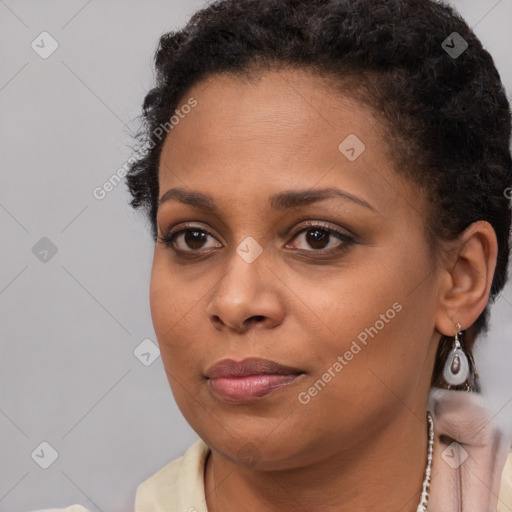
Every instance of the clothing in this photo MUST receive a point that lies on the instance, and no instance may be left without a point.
(482, 483)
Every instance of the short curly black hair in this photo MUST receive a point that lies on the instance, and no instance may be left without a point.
(447, 115)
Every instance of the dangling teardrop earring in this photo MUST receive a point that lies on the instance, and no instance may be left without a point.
(456, 369)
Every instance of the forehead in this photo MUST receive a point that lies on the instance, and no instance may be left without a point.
(278, 128)
(293, 105)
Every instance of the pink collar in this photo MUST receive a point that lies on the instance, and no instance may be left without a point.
(470, 451)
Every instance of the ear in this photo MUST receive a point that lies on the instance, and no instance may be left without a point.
(466, 277)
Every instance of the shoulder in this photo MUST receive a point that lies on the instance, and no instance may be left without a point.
(505, 498)
(71, 508)
(178, 485)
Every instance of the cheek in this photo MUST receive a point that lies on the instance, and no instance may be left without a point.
(169, 303)
(171, 297)
(161, 299)
(171, 306)
(359, 331)
(163, 305)
(350, 302)
(176, 305)
(378, 318)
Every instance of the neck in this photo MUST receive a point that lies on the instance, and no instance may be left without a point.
(385, 473)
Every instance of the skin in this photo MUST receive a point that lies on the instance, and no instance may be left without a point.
(367, 428)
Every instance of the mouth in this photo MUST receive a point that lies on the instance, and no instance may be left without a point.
(250, 379)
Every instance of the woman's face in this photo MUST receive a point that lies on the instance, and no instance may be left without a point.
(310, 252)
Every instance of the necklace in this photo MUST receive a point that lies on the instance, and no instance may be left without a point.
(422, 507)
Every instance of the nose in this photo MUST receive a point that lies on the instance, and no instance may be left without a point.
(247, 296)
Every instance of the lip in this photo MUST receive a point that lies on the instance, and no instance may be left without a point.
(250, 379)
(249, 366)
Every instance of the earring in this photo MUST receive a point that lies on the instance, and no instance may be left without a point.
(457, 368)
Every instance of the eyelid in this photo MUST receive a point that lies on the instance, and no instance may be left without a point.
(346, 240)
(183, 228)
(310, 223)
(344, 235)
(186, 225)
(327, 226)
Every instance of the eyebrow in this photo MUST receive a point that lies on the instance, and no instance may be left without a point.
(283, 201)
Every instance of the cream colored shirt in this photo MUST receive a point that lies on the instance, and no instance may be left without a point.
(179, 486)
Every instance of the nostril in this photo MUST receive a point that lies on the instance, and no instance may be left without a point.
(256, 319)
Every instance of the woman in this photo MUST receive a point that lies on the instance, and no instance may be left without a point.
(326, 183)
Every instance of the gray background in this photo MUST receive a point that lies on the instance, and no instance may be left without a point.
(69, 326)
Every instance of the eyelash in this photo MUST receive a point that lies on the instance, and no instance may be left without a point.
(169, 238)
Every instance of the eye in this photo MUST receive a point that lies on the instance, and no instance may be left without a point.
(192, 238)
(321, 237)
